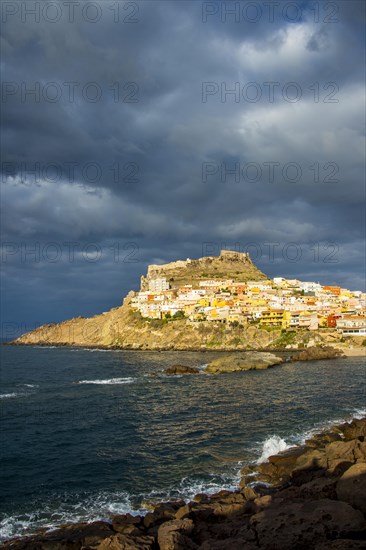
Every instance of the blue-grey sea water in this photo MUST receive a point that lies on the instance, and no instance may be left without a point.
(88, 433)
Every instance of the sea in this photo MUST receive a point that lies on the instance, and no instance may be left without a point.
(89, 433)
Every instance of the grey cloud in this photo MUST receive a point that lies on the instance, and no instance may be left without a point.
(169, 211)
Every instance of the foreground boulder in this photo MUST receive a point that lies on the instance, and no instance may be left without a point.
(172, 535)
(249, 360)
(352, 486)
(299, 524)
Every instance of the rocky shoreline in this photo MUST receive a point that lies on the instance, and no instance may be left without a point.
(311, 496)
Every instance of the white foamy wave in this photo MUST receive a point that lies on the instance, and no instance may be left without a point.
(325, 425)
(359, 413)
(70, 509)
(202, 368)
(93, 350)
(189, 487)
(46, 347)
(116, 381)
(97, 350)
(10, 395)
(272, 446)
(31, 385)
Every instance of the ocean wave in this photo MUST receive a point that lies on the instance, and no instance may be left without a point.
(100, 350)
(10, 395)
(46, 347)
(272, 446)
(92, 350)
(359, 413)
(324, 425)
(108, 381)
(275, 444)
(30, 385)
(68, 508)
(71, 508)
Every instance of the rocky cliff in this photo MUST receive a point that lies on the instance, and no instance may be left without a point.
(228, 265)
(122, 328)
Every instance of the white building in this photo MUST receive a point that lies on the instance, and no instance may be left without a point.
(159, 285)
(352, 325)
(310, 287)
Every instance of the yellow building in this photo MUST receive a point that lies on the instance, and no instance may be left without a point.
(212, 314)
(219, 302)
(276, 318)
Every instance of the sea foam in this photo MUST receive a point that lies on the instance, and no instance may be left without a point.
(272, 446)
(10, 395)
(108, 381)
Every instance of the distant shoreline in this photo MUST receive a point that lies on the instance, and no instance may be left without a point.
(348, 352)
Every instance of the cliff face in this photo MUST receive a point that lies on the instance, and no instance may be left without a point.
(122, 328)
(229, 265)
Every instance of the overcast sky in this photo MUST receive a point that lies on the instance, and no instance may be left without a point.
(144, 132)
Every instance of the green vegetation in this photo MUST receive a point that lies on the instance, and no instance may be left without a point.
(269, 329)
(179, 315)
(156, 323)
(214, 344)
(287, 338)
(364, 342)
(235, 342)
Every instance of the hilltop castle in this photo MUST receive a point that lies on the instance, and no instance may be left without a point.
(228, 261)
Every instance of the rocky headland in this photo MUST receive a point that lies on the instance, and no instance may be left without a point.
(308, 497)
(124, 327)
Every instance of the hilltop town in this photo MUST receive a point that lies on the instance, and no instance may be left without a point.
(279, 302)
(217, 303)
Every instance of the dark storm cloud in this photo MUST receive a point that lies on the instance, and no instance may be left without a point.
(162, 152)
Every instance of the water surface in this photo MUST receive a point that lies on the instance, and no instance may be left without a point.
(87, 433)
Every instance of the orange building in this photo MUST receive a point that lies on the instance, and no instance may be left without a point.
(336, 290)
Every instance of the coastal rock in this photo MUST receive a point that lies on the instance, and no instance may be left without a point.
(360, 451)
(312, 460)
(236, 543)
(314, 353)
(251, 360)
(290, 525)
(122, 542)
(286, 461)
(351, 487)
(320, 440)
(74, 536)
(181, 369)
(161, 512)
(339, 452)
(126, 523)
(318, 488)
(342, 544)
(172, 535)
(354, 430)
